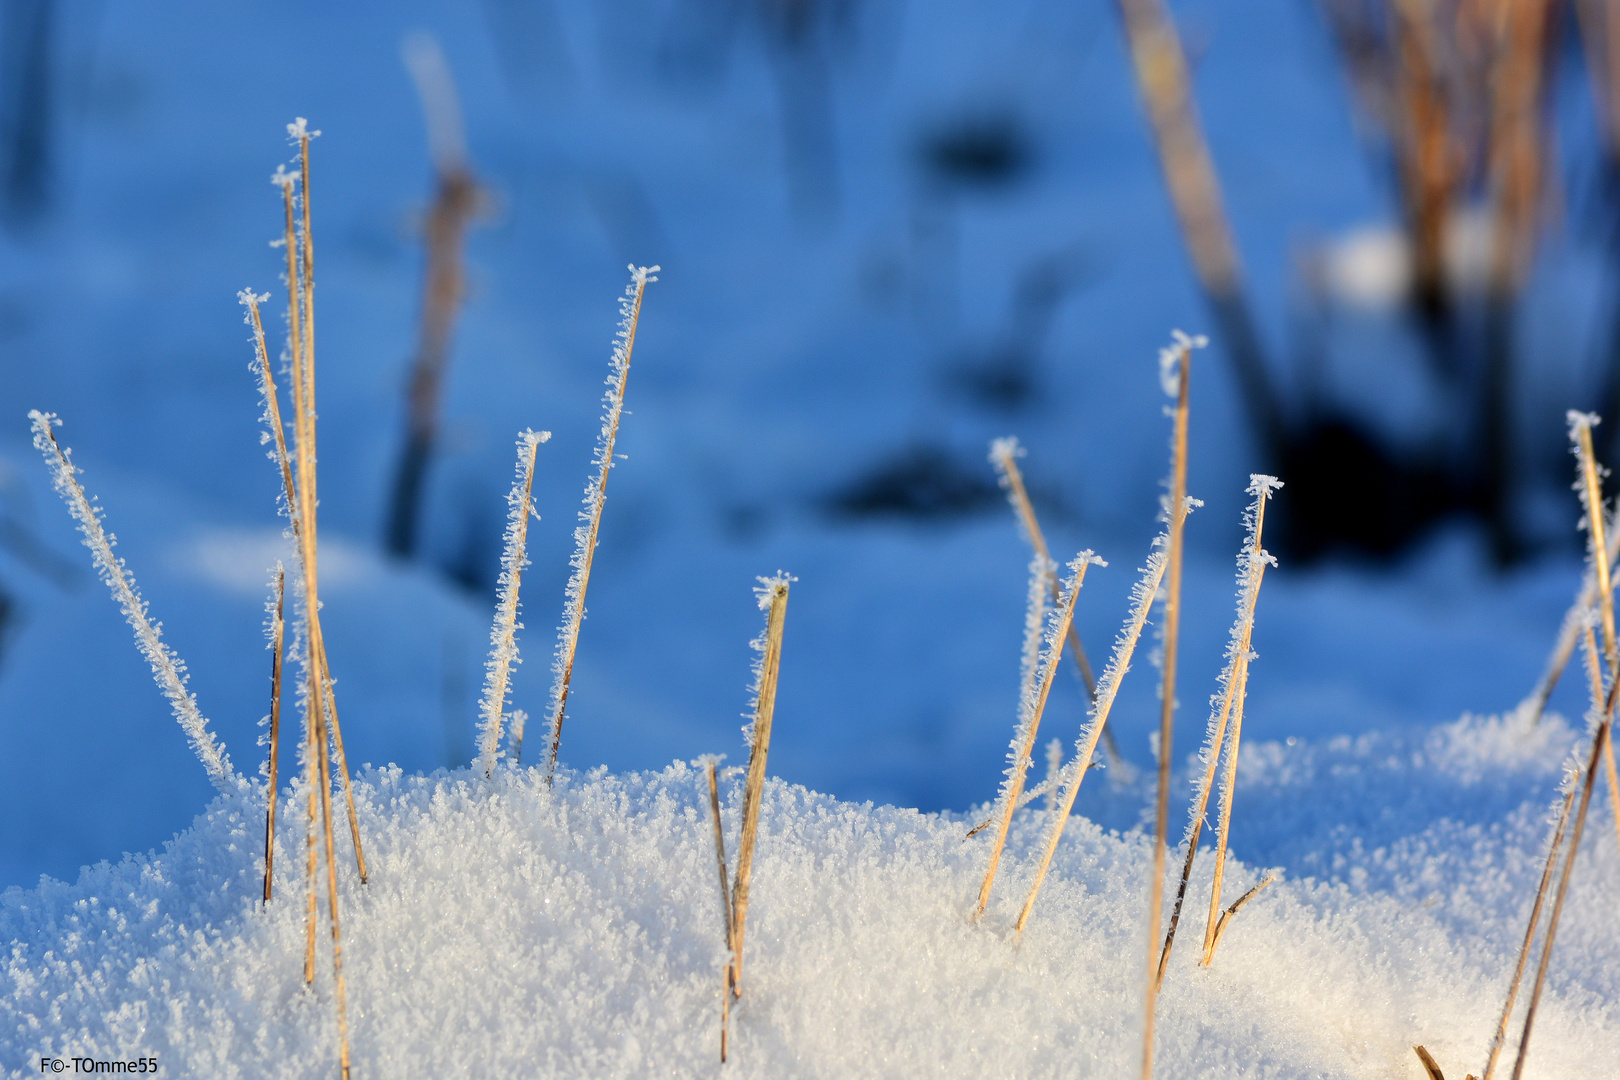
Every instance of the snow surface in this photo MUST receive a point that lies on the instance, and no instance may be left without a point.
(508, 930)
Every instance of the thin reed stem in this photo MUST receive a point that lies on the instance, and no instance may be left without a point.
(301, 321)
(1223, 834)
(1220, 927)
(1500, 1035)
(168, 670)
(324, 766)
(1074, 772)
(457, 202)
(1004, 455)
(1599, 740)
(1048, 787)
(773, 597)
(1032, 701)
(503, 651)
(1580, 427)
(312, 783)
(1569, 633)
(1180, 354)
(591, 517)
(277, 627)
(1252, 567)
(725, 902)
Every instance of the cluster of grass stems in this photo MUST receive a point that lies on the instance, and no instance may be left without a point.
(1049, 631)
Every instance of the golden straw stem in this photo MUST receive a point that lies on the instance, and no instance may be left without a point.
(1593, 497)
(312, 781)
(725, 905)
(332, 893)
(1599, 740)
(1595, 682)
(1220, 927)
(1228, 793)
(753, 794)
(1257, 569)
(1021, 765)
(1167, 711)
(302, 496)
(1082, 761)
(588, 551)
(1004, 455)
(277, 625)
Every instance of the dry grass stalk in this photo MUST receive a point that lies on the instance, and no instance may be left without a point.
(1226, 917)
(1426, 158)
(503, 635)
(312, 783)
(457, 202)
(1515, 149)
(1050, 787)
(1590, 484)
(709, 764)
(1592, 498)
(1595, 681)
(591, 517)
(1032, 694)
(1600, 740)
(1223, 833)
(1175, 363)
(1162, 79)
(1570, 630)
(1004, 455)
(773, 597)
(1600, 39)
(277, 430)
(323, 762)
(168, 670)
(1161, 74)
(1252, 567)
(298, 241)
(1430, 1068)
(1142, 595)
(277, 627)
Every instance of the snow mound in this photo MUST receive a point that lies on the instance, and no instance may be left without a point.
(514, 930)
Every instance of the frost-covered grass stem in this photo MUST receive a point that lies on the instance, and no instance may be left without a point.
(1499, 1037)
(503, 651)
(773, 597)
(1590, 485)
(1039, 672)
(1004, 455)
(324, 764)
(278, 626)
(709, 764)
(1142, 594)
(591, 516)
(167, 668)
(1252, 562)
(1600, 740)
(298, 242)
(1569, 631)
(1175, 364)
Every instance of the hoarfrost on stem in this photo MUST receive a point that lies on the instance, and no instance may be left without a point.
(167, 668)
